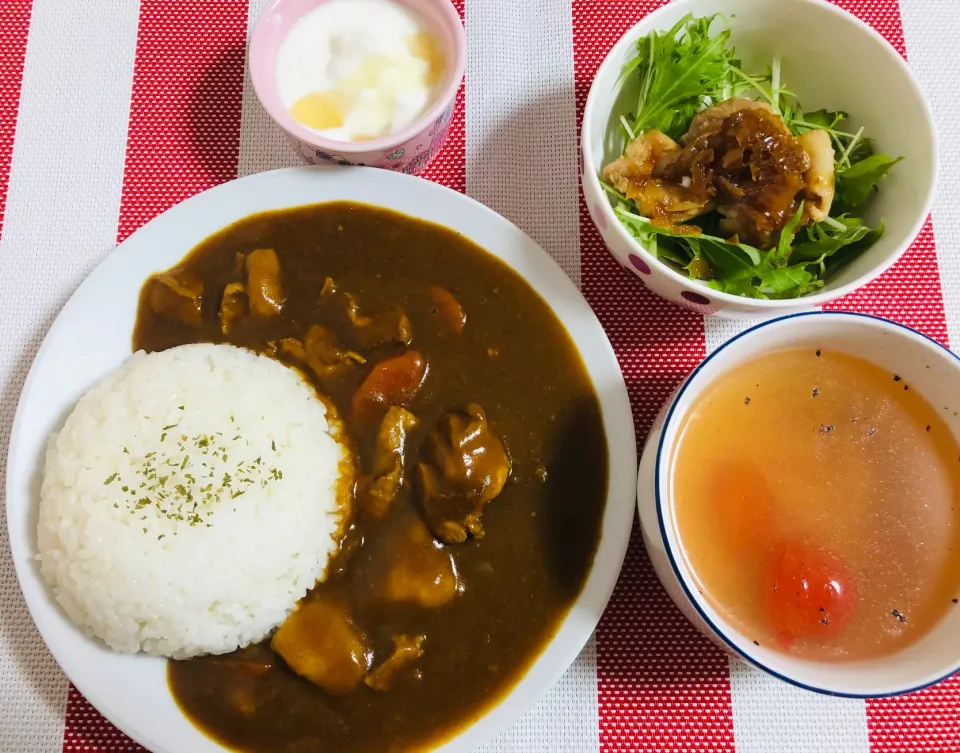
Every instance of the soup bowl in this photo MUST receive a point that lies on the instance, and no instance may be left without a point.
(924, 365)
(830, 60)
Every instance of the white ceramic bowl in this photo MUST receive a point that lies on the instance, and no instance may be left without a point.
(830, 60)
(91, 337)
(924, 365)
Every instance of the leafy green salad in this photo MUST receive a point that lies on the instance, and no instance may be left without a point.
(725, 178)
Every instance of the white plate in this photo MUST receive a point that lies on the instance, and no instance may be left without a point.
(92, 336)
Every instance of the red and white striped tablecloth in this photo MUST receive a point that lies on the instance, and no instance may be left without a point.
(111, 111)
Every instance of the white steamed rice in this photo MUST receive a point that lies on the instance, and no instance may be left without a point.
(125, 567)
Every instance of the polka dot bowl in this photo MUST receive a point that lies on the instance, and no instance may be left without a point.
(829, 60)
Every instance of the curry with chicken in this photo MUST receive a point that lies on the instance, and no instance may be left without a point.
(483, 472)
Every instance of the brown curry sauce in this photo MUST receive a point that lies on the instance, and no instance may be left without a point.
(513, 358)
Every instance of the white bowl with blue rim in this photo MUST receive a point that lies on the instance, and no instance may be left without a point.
(925, 365)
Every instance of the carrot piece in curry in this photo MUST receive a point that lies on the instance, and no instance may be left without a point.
(393, 381)
(449, 308)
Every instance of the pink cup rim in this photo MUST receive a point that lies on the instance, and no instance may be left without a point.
(263, 76)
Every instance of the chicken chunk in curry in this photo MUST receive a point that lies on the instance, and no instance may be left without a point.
(176, 296)
(465, 466)
(407, 566)
(369, 332)
(233, 306)
(263, 282)
(321, 352)
(406, 650)
(318, 642)
(377, 491)
(372, 332)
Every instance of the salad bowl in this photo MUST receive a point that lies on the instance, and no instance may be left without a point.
(826, 59)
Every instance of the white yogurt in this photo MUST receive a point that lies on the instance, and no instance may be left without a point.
(352, 70)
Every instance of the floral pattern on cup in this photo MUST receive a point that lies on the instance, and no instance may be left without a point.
(439, 131)
(411, 158)
(336, 158)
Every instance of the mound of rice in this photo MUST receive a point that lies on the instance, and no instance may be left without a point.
(190, 500)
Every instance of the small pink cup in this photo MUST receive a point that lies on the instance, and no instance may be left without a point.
(409, 150)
